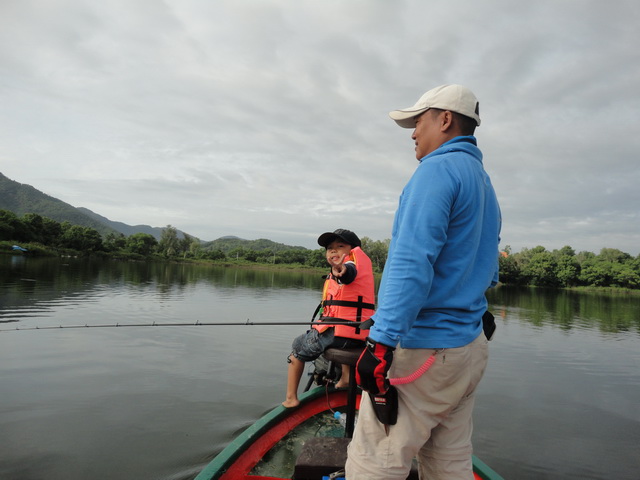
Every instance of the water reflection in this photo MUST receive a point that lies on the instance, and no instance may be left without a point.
(34, 286)
(90, 271)
(559, 399)
(567, 309)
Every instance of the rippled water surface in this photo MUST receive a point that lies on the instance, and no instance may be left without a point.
(560, 400)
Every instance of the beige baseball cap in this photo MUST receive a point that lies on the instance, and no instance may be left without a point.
(454, 98)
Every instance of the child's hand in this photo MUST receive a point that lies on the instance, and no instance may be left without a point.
(337, 266)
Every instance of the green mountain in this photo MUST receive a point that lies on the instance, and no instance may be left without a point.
(125, 229)
(21, 199)
(228, 243)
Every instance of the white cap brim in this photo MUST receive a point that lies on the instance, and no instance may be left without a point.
(454, 98)
(406, 118)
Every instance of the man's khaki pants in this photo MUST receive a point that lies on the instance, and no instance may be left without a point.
(434, 419)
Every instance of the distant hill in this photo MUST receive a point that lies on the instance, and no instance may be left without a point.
(21, 199)
(228, 243)
(127, 229)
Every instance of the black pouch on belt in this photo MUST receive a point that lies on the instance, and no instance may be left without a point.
(488, 324)
(386, 406)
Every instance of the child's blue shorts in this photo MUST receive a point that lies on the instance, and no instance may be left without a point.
(310, 345)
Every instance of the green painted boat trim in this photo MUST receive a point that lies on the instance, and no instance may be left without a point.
(219, 465)
(484, 471)
(226, 457)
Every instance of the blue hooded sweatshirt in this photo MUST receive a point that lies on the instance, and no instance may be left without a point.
(443, 254)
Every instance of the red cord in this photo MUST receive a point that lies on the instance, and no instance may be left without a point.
(415, 375)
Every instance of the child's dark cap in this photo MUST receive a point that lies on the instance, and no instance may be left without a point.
(345, 235)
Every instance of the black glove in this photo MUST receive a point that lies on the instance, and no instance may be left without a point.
(367, 324)
(372, 367)
(488, 324)
(386, 406)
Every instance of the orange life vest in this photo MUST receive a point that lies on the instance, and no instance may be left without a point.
(354, 302)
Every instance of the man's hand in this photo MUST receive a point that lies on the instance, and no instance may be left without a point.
(372, 367)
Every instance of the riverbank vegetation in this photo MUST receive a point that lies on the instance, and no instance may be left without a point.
(563, 268)
(39, 235)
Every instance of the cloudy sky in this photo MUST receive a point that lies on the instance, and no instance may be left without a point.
(269, 119)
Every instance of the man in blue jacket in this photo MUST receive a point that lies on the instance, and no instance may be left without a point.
(442, 258)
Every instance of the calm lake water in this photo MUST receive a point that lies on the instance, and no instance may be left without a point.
(560, 399)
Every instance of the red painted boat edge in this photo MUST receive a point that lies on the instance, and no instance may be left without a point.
(237, 460)
(242, 454)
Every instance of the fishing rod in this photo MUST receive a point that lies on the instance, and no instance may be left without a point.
(178, 324)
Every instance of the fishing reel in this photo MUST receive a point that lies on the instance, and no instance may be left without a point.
(323, 372)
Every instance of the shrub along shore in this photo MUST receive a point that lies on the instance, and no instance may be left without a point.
(563, 268)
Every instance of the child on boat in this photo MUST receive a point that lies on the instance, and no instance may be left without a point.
(348, 296)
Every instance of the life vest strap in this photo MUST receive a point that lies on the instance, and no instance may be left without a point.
(347, 323)
(348, 303)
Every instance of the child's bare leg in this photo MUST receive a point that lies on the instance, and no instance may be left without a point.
(344, 378)
(296, 367)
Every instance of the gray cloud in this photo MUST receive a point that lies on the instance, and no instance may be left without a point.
(268, 119)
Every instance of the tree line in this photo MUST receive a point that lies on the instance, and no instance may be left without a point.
(565, 268)
(34, 231)
(63, 237)
(536, 266)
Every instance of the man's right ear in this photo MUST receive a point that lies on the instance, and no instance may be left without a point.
(446, 120)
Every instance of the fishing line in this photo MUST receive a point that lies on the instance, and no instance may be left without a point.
(175, 324)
